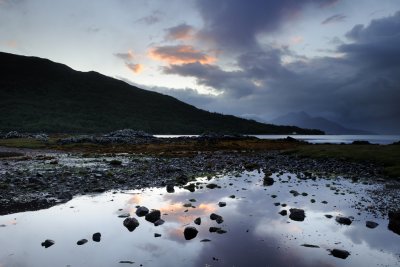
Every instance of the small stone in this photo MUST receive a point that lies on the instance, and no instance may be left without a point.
(48, 243)
(324, 202)
(232, 196)
(197, 221)
(268, 181)
(339, 253)
(190, 187)
(328, 216)
(96, 237)
(157, 235)
(159, 222)
(214, 229)
(142, 211)
(312, 200)
(212, 186)
(125, 215)
(190, 233)
(283, 212)
(217, 218)
(81, 242)
(371, 224)
(131, 224)
(221, 204)
(309, 246)
(205, 240)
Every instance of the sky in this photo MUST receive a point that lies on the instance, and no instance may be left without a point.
(260, 59)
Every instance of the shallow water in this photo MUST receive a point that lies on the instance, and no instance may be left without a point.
(257, 235)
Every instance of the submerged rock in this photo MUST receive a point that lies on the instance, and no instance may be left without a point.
(394, 221)
(212, 186)
(96, 237)
(190, 233)
(343, 220)
(159, 222)
(48, 243)
(153, 216)
(297, 215)
(268, 181)
(340, 253)
(197, 221)
(283, 212)
(170, 188)
(131, 224)
(217, 218)
(221, 204)
(309, 246)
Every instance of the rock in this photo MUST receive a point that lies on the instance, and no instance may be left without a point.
(394, 221)
(297, 215)
(339, 253)
(125, 215)
(221, 231)
(309, 246)
(232, 196)
(328, 216)
(170, 188)
(294, 193)
(187, 205)
(190, 233)
(157, 235)
(159, 222)
(190, 187)
(115, 162)
(222, 204)
(324, 202)
(217, 218)
(312, 200)
(131, 224)
(283, 212)
(213, 229)
(371, 224)
(48, 243)
(96, 237)
(127, 262)
(212, 186)
(205, 240)
(343, 220)
(268, 181)
(81, 242)
(197, 221)
(153, 216)
(142, 211)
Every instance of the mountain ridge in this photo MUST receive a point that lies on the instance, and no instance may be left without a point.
(40, 95)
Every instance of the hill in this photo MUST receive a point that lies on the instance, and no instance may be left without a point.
(39, 95)
(303, 119)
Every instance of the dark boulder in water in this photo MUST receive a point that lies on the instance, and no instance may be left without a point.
(81, 242)
(48, 243)
(268, 181)
(340, 253)
(394, 221)
(343, 220)
(153, 216)
(96, 237)
(371, 224)
(131, 224)
(190, 233)
(142, 211)
(297, 215)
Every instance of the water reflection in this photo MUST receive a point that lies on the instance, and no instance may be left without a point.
(256, 234)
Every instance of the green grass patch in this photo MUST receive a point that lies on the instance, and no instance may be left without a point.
(388, 155)
(22, 143)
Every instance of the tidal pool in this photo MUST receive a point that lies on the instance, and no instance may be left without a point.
(256, 234)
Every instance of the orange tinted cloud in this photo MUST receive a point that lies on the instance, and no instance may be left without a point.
(296, 40)
(135, 68)
(180, 54)
(126, 56)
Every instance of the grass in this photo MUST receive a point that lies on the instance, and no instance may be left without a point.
(388, 156)
(22, 143)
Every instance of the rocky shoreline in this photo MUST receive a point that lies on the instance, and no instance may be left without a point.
(34, 179)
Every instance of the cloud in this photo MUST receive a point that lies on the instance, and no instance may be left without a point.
(125, 56)
(180, 54)
(150, 19)
(135, 68)
(180, 32)
(334, 19)
(236, 24)
(360, 89)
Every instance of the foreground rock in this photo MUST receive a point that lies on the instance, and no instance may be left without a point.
(131, 224)
(217, 218)
(81, 242)
(394, 221)
(142, 211)
(48, 243)
(297, 215)
(371, 225)
(340, 253)
(96, 237)
(153, 216)
(190, 233)
(268, 181)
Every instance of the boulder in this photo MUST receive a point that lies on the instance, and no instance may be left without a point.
(81, 242)
(217, 218)
(222, 204)
(170, 188)
(197, 221)
(153, 216)
(268, 181)
(96, 237)
(131, 224)
(159, 222)
(190, 233)
(297, 215)
(283, 212)
(371, 224)
(142, 211)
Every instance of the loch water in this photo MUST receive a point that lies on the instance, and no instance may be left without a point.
(256, 234)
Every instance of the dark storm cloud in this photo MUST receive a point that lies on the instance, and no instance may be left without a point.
(360, 89)
(236, 23)
(334, 19)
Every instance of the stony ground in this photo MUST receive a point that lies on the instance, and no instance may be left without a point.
(33, 179)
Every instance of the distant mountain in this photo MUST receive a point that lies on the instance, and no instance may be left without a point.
(302, 119)
(40, 95)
